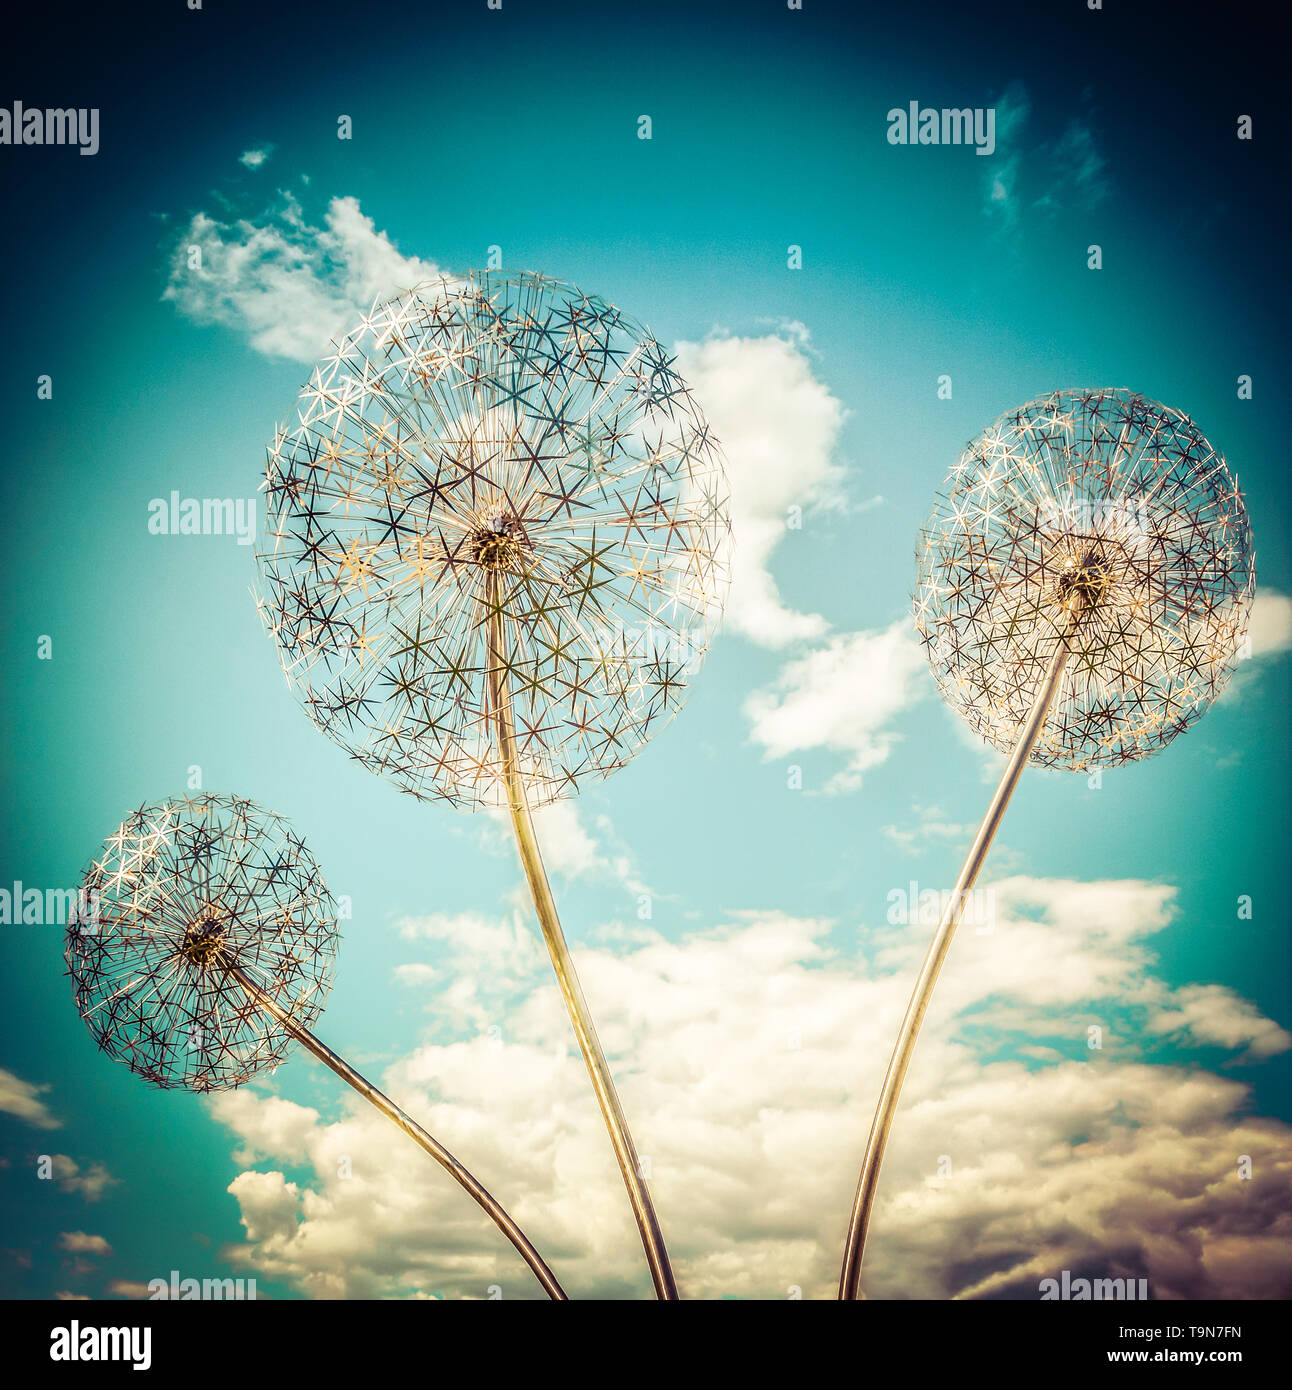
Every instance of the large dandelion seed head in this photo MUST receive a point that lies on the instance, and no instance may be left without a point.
(182, 888)
(1108, 504)
(503, 443)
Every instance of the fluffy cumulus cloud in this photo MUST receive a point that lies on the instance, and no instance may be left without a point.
(779, 426)
(287, 283)
(842, 696)
(749, 1056)
(280, 1127)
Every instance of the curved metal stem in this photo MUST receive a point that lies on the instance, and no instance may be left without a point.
(567, 977)
(410, 1127)
(850, 1278)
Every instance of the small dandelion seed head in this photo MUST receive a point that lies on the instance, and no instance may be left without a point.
(182, 888)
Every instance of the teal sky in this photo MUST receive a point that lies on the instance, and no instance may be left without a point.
(473, 129)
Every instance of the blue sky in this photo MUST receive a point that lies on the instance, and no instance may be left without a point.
(750, 1016)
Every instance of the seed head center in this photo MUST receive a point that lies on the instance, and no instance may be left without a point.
(205, 936)
(1084, 581)
(499, 543)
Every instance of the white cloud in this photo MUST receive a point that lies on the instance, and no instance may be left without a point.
(842, 696)
(415, 974)
(89, 1182)
(269, 1206)
(1213, 1015)
(1270, 628)
(499, 947)
(79, 1243)
(289, 285)
(779, 426)
(748, 1057)
(268, 1124)
(571, 847)
(129, 1288)
(501, 953)
(568, 846)
(254, 158)
(21, 1098)
(929, 823)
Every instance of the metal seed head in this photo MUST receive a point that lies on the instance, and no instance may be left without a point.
(497, 443)
(179, 890)
(1108, 503)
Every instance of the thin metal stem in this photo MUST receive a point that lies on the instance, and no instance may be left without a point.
(567, 977)
(410, 1127)
(850, 1277)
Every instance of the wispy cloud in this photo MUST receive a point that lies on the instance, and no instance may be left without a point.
(1032, 176)
(21, 1098)
(128, 1288)
(576, 844)
(81, 1243)
(89, 1182)
(927, 824)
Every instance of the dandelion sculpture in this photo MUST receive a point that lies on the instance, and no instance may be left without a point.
(1084, 586)
(495, 554)
(207, 950)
